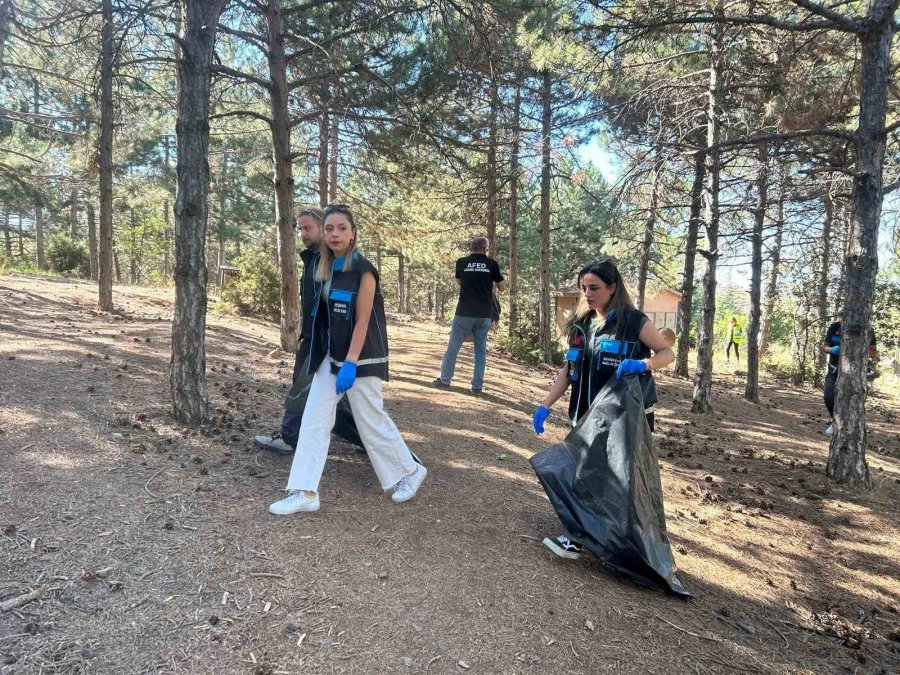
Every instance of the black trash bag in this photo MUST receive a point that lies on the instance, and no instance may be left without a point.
(344, 424)
(603, 481)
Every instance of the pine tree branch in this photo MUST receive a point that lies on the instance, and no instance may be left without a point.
(238, 75)
(242, 113)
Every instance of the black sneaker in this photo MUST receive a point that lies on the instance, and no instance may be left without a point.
(439, 383)
(564, 547)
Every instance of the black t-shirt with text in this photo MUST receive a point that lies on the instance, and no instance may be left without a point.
(833, 339)
(477, 274)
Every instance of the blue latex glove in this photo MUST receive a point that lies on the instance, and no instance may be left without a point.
(835, 351)
(540, 416)
(631, 366)
(346, 377)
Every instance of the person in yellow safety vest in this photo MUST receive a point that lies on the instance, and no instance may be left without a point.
(735, 339)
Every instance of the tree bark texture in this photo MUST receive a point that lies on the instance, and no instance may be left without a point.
(544, 281)
(73, 215)
(751, 388)
(188, 367)
(514, 218)
(774, 271)
(6, 238)
(284, 180)
(133, 272)
(649, 227)
(323, 158)
(847, 454)
(105, 257)
(690, 258)
(491, 215)
(39, 235)
(401, 282)
(702, 396)
(92, 236)
(822, 285)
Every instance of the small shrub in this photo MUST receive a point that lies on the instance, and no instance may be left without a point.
(67, 256)
(258, 290)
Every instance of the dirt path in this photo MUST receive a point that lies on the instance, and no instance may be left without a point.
(191, 574)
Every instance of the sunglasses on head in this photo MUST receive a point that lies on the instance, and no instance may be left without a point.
(337, 208)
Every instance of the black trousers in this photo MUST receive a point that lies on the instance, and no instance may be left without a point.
(737, 351)
(830, 390)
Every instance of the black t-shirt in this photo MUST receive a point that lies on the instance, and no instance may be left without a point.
(477, 274)
(833, 339)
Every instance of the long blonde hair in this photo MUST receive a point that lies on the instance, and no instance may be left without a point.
(609, 274)
(326, 256)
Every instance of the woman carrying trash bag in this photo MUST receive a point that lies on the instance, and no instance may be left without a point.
(349, 355)
(608, 338)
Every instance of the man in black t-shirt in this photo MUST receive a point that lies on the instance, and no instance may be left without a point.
(477, 276)
(832, 347)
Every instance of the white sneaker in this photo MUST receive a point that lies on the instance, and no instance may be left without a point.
(409, 485)
(296, 501)
(274, 443)
(830, 430)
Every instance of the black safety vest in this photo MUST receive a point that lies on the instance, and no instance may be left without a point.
(334, 318)
(594, 357)
(308, 290)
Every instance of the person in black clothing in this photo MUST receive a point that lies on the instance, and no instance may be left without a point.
(477, 276)
(607, 337)
(348, 357)
(309, 223)
(832, 347)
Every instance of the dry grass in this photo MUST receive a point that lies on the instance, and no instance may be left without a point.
(156, 553)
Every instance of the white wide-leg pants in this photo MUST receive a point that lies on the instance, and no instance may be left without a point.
(387, 450)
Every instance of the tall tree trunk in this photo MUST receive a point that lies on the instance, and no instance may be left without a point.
(105, 258)
(284, 180)
(133, 257)
(73, 215)
(544, 279)
(491, 215)
(220, 249)
(824, 276)
(847, 454)
(847, 222)
(21, 237)
(323, 158)
(6, 238)
(690, 257)
(167, 215)
(774, 271)
(514, 218)
(333, 157)
(92, 236)
(702, 395)
(401, 282)
(751, 390)
(649, 227)
(188, 368)
(39, 235)
(167, 240)
(116, 265)
(6, 13)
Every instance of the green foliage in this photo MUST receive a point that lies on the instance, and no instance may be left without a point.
(67, 256)
(258, 290)
(780, 365)
(886, 313)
